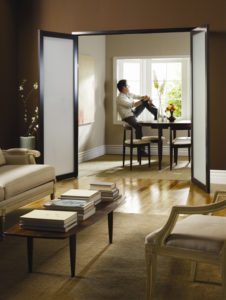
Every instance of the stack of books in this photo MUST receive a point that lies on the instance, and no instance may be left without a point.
(61, 221)
(81, 194)
(83, 208)
(108, 190)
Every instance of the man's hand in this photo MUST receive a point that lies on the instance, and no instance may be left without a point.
(146, 98)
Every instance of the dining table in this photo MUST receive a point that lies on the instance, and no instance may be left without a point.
(160, 125)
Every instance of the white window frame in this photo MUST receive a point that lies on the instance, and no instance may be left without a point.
(186, 83)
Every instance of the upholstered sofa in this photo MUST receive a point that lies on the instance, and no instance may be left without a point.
(22, 180)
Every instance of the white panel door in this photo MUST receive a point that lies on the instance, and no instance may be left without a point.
(200, 132)
(57, 85)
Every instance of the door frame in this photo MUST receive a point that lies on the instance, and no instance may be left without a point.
(77, 34)
(41, 35)
(206, 187)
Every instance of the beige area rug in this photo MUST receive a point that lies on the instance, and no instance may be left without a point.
(111, 166)
(104, 272)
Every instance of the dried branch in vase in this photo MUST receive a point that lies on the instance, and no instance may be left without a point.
(30, 120)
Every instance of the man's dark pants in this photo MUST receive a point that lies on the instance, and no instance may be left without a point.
(137, 111)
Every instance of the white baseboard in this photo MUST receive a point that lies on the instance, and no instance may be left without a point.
(117, 149)
(91, 153)
(216, 176)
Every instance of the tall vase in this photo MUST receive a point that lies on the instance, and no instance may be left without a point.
(27, 142)
(160, 112)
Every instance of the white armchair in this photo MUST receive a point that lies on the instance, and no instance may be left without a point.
(200, 237)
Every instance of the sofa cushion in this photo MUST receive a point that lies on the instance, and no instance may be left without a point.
(2, 158)
(19, 178)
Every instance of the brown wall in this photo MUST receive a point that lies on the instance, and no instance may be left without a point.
(8, 69)
(86, 15)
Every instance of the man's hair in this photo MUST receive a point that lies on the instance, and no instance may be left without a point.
(121, 84)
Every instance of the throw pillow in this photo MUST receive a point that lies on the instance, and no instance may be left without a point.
(2, 158)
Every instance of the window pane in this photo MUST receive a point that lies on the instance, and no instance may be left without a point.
(170, 72)
(131, 71)
(173, 71)
(139, 73)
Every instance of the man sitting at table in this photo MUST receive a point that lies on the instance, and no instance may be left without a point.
(130, 106)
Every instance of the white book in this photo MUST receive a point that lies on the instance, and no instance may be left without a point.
(49, 228)
(52, 216)
(69, 204)
(45, 223)
(111, 199)
(79, 193)
(102, 186)
(82, 217)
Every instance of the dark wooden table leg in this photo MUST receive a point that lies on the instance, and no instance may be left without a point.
(30, 253)
(160, 147)
(110, 227)
(72, 244)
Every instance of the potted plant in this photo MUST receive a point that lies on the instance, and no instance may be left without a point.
(171, 108)
(30, 119)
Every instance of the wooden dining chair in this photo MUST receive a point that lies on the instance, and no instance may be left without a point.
(130, 142)
(154, 139)
(179, 142)
(199, 238)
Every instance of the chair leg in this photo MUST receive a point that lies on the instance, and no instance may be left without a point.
(175, 155)
(149, 155)
(123, 155)
(193, 273)
(189, 154)
(131, 157)
(139, 154)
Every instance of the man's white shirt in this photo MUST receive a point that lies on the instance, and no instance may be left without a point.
(125, 104)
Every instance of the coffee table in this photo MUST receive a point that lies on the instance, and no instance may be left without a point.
(102, 209)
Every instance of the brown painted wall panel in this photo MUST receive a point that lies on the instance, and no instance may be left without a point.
(8, 69)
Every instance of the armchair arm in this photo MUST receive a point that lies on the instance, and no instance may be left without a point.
(20, 156)
(188, 210)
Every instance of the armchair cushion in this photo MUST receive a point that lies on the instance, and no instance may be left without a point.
(197, 232)
(2, 158)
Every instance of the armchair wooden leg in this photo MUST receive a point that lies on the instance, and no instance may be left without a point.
(193, 273)
(151, 263)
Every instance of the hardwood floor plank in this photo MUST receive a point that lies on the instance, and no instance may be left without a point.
(144, 195)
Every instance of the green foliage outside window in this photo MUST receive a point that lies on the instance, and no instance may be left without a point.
(174, 96)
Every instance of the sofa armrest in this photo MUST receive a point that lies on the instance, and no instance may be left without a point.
(20, 156)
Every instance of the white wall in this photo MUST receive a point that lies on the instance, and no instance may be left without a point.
(92, 136)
